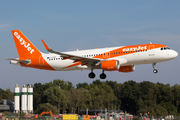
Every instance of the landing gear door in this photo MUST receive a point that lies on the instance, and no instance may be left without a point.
(151, 50)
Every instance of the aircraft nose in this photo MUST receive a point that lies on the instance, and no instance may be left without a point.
(174, 54)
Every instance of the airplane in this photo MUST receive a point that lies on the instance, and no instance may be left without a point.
(122, 59)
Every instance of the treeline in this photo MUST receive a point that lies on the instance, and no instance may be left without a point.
(6, 94)
(61, 96)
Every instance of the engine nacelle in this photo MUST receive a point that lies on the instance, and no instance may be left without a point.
(110, 65)
(126, 69)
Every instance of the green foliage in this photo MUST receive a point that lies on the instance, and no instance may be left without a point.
(7, 94)
(22, 114)
(64, 85)
(56, 96)
(1, 93)
(136, 118)
(6, 113)
(60, 96)
(46, 107)
(82, 85)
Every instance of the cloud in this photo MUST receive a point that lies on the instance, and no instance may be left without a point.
(2, 26)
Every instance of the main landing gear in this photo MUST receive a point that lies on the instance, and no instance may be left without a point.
(92, 75)
(102, 75)
(154, 67)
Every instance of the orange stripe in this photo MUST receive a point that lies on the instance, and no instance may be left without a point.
(128, 50)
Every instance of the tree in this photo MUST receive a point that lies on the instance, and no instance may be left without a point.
(130, 97)
(55, 96)
(1, 93)
(102, 95)
(46, 107)
(64, 85)
(8, 95)
(82, 85)
(80, 99)
(175, 91)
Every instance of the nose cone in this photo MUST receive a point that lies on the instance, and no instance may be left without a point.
(174, 54)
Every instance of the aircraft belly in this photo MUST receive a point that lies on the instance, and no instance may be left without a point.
(140, 58)
(65, 65)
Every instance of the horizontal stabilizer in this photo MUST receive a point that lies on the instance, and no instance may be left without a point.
(22, 61)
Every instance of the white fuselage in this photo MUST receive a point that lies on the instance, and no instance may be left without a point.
(145, 57)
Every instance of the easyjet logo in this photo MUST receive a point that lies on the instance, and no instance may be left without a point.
(135, 48)
(22, 42)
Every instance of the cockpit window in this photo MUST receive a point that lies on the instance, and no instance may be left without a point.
(165, 48)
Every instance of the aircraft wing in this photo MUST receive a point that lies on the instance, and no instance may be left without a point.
(22, 61)
(76, 58)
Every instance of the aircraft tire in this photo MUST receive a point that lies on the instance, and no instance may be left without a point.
(102, 76)
(91, 75)
(155, 71)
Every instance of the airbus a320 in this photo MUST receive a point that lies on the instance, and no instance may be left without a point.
(122, 59)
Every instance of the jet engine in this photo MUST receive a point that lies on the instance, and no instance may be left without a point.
(110, 65)
(126, 69)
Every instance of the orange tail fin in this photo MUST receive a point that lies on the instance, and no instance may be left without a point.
(24, 46)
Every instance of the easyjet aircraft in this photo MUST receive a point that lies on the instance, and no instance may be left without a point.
(122, 59)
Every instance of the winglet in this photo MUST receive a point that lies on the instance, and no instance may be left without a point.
(45, 45)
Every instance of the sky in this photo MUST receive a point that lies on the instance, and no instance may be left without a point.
(77, 24)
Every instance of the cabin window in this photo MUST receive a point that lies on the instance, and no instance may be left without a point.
(165, 48)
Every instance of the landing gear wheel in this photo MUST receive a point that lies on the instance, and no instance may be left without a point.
(91, 75)
(102, 76)
(155, 71)
(154, 66)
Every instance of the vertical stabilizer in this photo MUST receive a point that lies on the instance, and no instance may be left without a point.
(24, 46)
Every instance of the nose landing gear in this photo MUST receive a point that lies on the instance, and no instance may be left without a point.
(154, 67)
